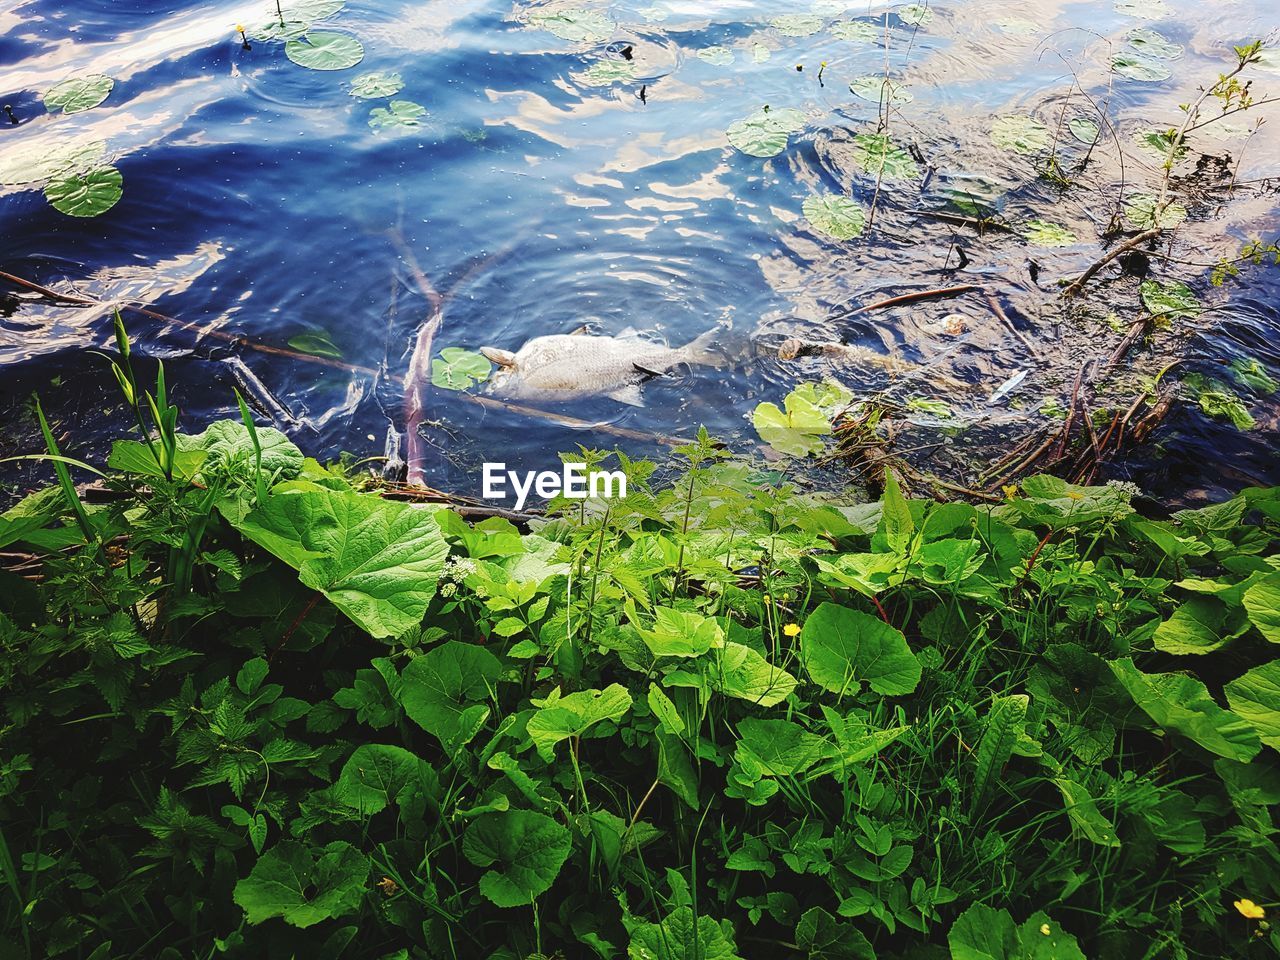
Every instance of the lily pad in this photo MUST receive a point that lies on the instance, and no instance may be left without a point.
(376, 85)
(1044, 233)
(86, 194)
(398, 113)
(1020, 133)
(1140, 209)
(318, 344)
(1084, 129)
(458, 369)
(38, 161)
(765, 133)
(274, 28)
(1138, 66)
(1154, 44)
(797, 24)
(325, 51)
(916, 14)
(1017, 26)
(77, 94)
(1146, 9)
(717, 56)
(877, 88)
(1170, 300)
(577, 25)
(855, 31)
(836, 216)
(607, 72)
(876, 154)
(760, 53)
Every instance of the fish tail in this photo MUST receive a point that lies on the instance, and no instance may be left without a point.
(702, 349)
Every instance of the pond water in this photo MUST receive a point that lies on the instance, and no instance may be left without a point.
(552, 166)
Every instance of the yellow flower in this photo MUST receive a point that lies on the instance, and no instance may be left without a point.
(1010, 490)
(1250, 909)
(239, 28)
(791, 629)
(768, 599)
(1072, 495)
(1045, 929)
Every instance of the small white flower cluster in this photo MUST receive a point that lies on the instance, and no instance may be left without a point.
(1125, 486)
(456, 570)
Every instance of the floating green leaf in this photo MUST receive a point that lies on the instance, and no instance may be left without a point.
(1084, 129)
(797, 24)
(1017, 26)
(1256, 697)
(836, 216)
(760, 53)
(765, 134)
(917, 14)
(1020, 133)
(290, 882)
(855, 31)
(87, 194)
(1154, 44)
(325, 51)
(525, 850)
(718, 56)
(1044, 233)
(1140, 209)
(605, 72)
(1167, 301)
(1217, 400)
(458, 369)
(1138, 66)
(76, 94)
(376, 85)
(1146, 9)
(930, 405)
(577, 25)
(274, 28)
(878, 89)
(34, 162)
(876, 154)
(318, 344)
(798, 430)
(842, 648)
(1158, 144)
(398, 113)
(1251, 373)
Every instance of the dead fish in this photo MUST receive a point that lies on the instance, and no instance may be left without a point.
(576, 366)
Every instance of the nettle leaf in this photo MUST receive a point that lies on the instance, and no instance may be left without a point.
(765, 134)
(77, 94)
(1262, 602)
(682, 936)
(1020, 133)
(376, 85)
(1138, 66)
(325, 51)
(398, 113)
(446, 691)
(1140, 209)
(856, 31)
(876, 154)
(525, 849)
(289, 881)
(577, 25)
(798, 431)
(879, 89)
(374, 774)
(559, 718)
(797, 24)
(88, 194)
(376, 560)
(1154, 44)
(603, 73)
(985, 933)
(717, 55)
(1181, 704)
(458, 369)
(1256, 697)
(842, 648)
(1173, 300)
(1043, 233)
(1084, 129)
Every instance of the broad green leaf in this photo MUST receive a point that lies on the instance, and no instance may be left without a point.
(1153, 44)
(879, 89)
(398, 113)
(604, 73)
(765, 134)
(76, 94)
(88, 194)
(1082, 811)
(1020, 133)
(842, 648)
(679, 633)
(229, 449)
(310, 9)
(1256, 697)
(897, 526)
(1140, 209)
(1138, 66)
(1182, 704)
(577, 25)
(458, 369)
(1200, 625)
(798, 431)
(1262, 602)
(717, 55)
(376, 85)
(1249, 372)
(376, 560)
(373, 775)
(855, 741)
(290, 882)
(781, 748)
(877, 155)
(681, 936)
(1173, 300)
(446, 691)
(820, 936)
(1084, 129)
(525, 851)
(274, 29)
(559, 718)
(30, 514)
(838, 217)
(325, 51)
(1218, 400)
(1043, 233)
(318, 344)
(739, 671)
(985, 933)
(797, 24)
(856, 31)
(665, 711)
(1000, 733)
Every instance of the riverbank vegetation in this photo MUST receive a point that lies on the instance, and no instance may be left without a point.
(255, 708)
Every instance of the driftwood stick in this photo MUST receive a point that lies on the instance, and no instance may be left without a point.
(908, 298)
(1004, 318)
(1077, 284)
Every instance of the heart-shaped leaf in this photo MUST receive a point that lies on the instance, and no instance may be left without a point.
(76, 94)
(87, 194)
(325, 51)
